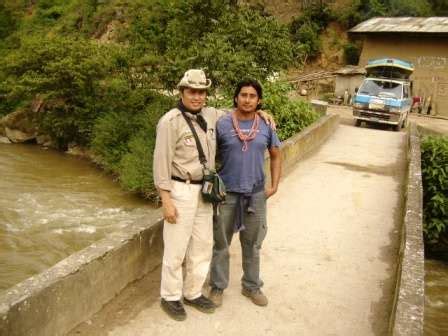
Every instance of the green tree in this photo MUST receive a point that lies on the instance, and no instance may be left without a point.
(352, 51)
(67, 73)
(361, 10)
(215, 35)
(308, 39)
(439, 7)
(306, 28)
(8, 22)
(291, 115)
(409, 7)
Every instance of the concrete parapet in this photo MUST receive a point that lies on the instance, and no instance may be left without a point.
(425, 130)
(320, 106)
(309, 139)
(408, 312)
(56, 300)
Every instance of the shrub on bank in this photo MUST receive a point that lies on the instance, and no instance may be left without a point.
(435, 189)
(68, 75)
(124, 140)
(291, 116)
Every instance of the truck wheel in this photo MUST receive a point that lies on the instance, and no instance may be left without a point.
(357, 122)
(396, 128)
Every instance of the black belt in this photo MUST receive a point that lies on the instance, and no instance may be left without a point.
(175, 178)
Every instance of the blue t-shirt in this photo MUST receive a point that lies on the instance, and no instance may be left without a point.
(242, 171)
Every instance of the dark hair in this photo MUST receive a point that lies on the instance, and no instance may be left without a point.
(248, 82)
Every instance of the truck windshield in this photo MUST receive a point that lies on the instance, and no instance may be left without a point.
(381, 88)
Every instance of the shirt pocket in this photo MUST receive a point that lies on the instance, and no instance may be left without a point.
(188, 140)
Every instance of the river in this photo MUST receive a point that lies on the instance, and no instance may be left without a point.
(436, 298)
(53, 204)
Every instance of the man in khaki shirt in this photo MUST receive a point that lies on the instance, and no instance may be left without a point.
(178, 174)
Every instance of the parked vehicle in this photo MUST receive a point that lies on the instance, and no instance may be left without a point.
(385, 94)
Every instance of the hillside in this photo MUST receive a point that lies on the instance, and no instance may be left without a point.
(100, 73)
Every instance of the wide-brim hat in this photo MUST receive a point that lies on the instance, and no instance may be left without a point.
(195, 79)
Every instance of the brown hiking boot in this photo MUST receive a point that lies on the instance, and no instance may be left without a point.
(256, 296)
(216, 296)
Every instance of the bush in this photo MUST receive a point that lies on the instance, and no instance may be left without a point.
(8, 22)
(351, 53)
(360, 10)
(68, 74)
(231, 42)
(124, 139)
(439, 7)
(290, 116)
(435, 188)
(410, 8)
(307, 36)
(134, 168)
(306, 28)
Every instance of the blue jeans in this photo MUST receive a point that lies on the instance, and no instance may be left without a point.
(251, 239)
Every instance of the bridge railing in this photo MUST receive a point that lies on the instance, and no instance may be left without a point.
(408, 311)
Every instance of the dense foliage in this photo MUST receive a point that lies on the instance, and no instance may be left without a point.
(306, 28)
(124, 145)
(291, 115)
(352, 51)
(124, 139)
(435, 188)
(67, 74)
(105, 70)
(227, 41)
(360, 10)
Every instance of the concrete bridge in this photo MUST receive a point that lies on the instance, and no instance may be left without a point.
(334, 261)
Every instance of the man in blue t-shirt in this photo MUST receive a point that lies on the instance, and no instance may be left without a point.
(242, 139)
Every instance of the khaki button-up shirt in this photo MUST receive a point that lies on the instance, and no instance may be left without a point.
(176, 153)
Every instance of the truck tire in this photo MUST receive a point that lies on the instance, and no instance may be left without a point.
(396, 128)
(357, 122)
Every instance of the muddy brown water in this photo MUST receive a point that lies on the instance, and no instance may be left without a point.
(53, 204)
(436, 298)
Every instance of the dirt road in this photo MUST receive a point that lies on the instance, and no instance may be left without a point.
(328, 261)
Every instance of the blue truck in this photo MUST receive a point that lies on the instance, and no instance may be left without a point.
(385, 95)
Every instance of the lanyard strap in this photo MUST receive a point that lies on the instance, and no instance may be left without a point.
(202, 158)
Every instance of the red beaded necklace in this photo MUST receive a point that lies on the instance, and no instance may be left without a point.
(252, 133)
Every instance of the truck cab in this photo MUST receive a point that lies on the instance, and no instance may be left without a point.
(385, 94)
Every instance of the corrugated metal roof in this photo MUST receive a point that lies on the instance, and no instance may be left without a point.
(425, 25)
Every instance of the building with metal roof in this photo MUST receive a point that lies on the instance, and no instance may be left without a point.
(407, 25)
(421, 41)
(348, 78)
